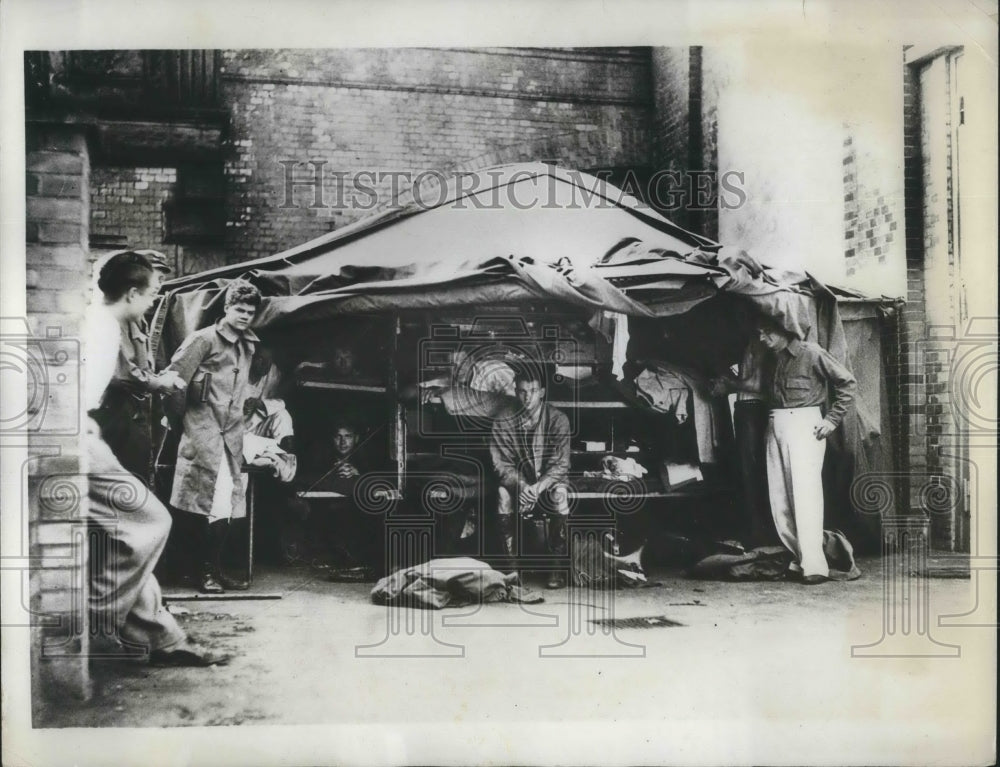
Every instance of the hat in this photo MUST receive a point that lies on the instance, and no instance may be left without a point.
(156, 259)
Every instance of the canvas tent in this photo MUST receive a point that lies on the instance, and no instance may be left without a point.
(536, 232)
(524, 232)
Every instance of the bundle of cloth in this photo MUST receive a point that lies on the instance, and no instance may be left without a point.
(595, 567)
(770, 563)
(450, 582)
(622, 469)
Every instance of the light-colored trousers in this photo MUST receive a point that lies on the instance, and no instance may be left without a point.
(795, 485)
(123, 589)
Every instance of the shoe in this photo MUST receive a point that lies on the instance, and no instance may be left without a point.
(218, 533)
(232, 584)
(814, 580)
(556, 580)
(111, 648)
(187, 654)
(209, 585)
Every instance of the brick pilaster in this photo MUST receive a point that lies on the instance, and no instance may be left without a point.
(57, 225)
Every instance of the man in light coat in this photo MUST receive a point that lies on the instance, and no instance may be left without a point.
(214, 363)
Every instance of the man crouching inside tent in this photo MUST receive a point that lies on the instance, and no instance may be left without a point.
(214, 362)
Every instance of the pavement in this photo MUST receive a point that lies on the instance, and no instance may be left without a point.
(324, 654)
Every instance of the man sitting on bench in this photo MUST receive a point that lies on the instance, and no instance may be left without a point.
(529, 445)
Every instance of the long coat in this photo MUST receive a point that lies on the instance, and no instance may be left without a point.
(215, 364)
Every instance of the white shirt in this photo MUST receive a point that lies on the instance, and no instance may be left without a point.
(101, 340)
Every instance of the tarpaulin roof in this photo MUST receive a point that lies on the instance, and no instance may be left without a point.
(507, 234)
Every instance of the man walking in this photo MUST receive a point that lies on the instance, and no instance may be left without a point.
(124, 413)
(214, 363)
(123, 591)
(530, 449)
(805, 377)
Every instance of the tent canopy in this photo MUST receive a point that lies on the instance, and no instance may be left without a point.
(503, 235)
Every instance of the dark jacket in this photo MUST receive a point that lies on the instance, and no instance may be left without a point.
(541, 455)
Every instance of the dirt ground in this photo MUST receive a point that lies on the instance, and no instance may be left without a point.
(323, 653)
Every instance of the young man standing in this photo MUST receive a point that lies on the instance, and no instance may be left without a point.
(214, 363)
(124, 414)
(123, 589)
(805, 376)
(530, 449)
(751, 416)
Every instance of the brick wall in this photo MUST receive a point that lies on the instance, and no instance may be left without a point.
(932, 312)
(874, 240)
(685, 131)
(128, 202)
(128, 209)
(871, 214)
(412, 110)
(672, 102)
(57, 284)
(932, 412)
(906, 394)
(303, 115)
(709, 83)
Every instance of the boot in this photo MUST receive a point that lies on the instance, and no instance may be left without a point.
(556, 542)
(557, 580)
(507, 524)
(555, 537)
(206, 581)
(219, 536)
(207, 584)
